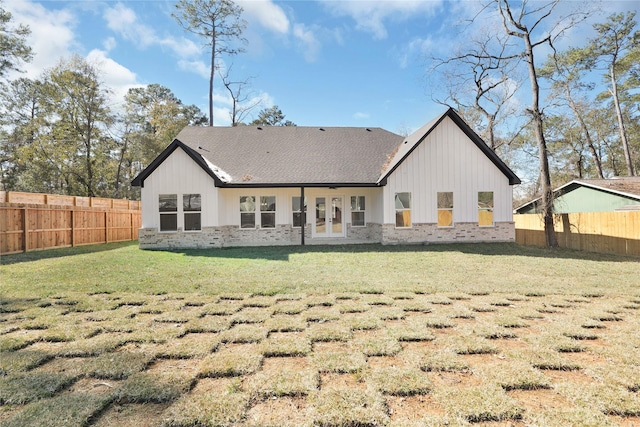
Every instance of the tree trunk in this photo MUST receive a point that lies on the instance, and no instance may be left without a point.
(211, 74)
(587, 136)
(623, 132)
(545, 175)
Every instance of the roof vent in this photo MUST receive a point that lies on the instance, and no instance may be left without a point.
(405, 141)
(322, 129)
(259, 128)
(368, 130)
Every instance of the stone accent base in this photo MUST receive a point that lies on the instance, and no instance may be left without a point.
(286, 235)
(462, 232)
(219, 237)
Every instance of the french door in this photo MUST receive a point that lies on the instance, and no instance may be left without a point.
(329, 214)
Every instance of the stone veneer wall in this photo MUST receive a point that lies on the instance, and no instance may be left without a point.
(281, 235)
(371, 232)
(462, 232)
(218, 237)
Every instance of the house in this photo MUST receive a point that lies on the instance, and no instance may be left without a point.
(250, 186)
(592, 195)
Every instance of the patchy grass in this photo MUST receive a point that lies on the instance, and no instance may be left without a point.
(62, 411)
(400, 381)
(24, 388)
(331, 336)
(347, 407)
(231, 361)
(479, 404)
(151, 387)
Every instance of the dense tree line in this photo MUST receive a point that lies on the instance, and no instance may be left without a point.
(60, 133)
(572, 114)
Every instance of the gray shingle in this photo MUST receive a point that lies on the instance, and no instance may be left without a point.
(294, 154)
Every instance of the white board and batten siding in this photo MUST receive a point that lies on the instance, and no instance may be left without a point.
(448, 161)
(179, 175)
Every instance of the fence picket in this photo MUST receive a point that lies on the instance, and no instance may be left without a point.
(609, 232)
(30, 224)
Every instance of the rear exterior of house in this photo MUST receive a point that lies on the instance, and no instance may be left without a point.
(222, 187)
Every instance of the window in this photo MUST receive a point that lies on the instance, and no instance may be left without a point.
(191, 206)
(357, 211)
(168, 207)
(247, 212)
(485, 208)
(403, 210)
(296, 210)
(268, 211)
(445, 209)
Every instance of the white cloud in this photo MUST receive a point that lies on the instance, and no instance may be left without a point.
(124, 22)
(109, 44)
(416, 48)
(51, 35)
(370, 15)
(361, 116)
(196, 67)
(307, 41)
(266, 14)
(117, 77)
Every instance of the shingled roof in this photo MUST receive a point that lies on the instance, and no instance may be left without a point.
(288, 156)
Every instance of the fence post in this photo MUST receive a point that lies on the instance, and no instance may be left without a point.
(25, 229)
(73, 226)
(106, 226)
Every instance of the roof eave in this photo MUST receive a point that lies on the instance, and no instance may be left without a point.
(513, 178)
(138, 181)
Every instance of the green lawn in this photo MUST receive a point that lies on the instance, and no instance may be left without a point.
(406, 336)
(368, 268)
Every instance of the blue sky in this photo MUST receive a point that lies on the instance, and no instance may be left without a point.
(325, 62)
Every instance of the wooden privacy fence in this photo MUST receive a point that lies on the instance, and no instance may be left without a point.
(30, 222)
(608, 232)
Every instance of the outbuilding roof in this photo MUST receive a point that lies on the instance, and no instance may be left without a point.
(286, 156)
(628, 187)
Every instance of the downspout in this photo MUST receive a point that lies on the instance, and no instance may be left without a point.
(303, 216)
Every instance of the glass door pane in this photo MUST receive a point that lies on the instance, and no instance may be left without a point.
(321, 216)
(336, 216)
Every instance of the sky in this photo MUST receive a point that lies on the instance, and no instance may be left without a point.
(323, 63)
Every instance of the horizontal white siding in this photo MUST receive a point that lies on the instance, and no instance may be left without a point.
(448, 161)
(179, 174)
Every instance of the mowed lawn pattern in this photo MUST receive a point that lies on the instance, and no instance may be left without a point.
(313, 359)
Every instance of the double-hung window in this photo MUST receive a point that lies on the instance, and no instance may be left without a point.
(445, 209)
(485, 208)
(168, 207)
(191, 207)
(296, 210)
(403, 210)
(267, 211)
(247, 212)
(357, 211)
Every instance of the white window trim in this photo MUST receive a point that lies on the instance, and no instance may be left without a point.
(176, 213)
(438, 209)
(269, 212)
(492, 210)
(364, 211)
(304, 209)
(395, 210)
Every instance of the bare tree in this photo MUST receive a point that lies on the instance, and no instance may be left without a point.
(481, 83)
(219, 22)
(524, 25)
(616, 43)
(241, 102)
(564, 70)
